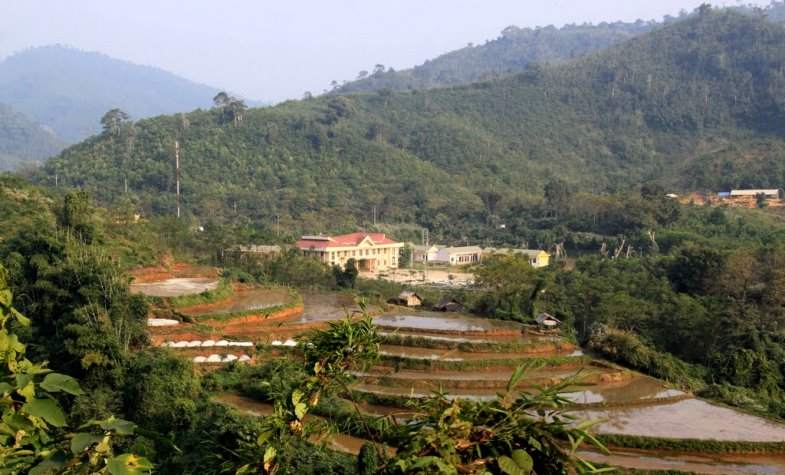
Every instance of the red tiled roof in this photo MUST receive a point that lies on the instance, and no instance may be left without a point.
(344, 240)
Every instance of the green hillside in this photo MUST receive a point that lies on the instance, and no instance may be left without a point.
(22, 140)
(511, 52)
(516, 48)
(68, 90)
(698, 104)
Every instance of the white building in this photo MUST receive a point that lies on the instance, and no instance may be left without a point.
(458, 256)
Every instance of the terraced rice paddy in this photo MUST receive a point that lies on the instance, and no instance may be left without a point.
(241, 301)
(175, 287)
(438, 323)
(687, 419)
(472, 358)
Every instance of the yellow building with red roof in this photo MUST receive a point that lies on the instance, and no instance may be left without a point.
(371, 251)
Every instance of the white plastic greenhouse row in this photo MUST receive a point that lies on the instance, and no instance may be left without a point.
(161, 322)
(207, 344)
(288, 342)
(219, 359)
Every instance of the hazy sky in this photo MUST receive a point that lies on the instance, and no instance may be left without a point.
(273, 50)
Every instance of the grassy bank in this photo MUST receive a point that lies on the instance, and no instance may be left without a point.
(295, 300)
(470, 346)
(691, 445)
(403, 362)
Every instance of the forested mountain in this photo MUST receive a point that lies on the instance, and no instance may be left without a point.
(516, 48)
(510, 53)
(22, 140)
(68, 90)
(697, 104)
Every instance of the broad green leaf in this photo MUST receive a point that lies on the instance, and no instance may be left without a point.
(5, 298)
(20, 319)
(56, 382)
(508, 466)
(244, 470)
(47, 409)
(5, 388)
(263, 438)
(83, 440)
(119, 426)
(299, 410)
(269, 454)
(50, 465)
(523, 460)
(297, 396)
(128, 464)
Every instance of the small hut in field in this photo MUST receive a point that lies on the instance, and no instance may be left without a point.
(409, 298)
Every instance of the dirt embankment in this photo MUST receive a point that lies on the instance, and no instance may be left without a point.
(252, 326)
(145, 275)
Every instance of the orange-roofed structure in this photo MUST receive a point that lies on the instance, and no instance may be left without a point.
(371, 251)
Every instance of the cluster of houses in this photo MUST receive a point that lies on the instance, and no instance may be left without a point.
(766, 193)
(458, 256)
(377, 252)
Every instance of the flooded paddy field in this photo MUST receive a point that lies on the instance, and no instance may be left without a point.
(686, 419)
(326, 306)
(637, 390)
(447, 323)
(175, 287)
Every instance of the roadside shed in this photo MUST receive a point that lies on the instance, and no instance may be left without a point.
(409, 298)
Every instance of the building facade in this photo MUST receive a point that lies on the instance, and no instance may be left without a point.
(537, 257)
(424, 254)
(371, 251)
(458, 256)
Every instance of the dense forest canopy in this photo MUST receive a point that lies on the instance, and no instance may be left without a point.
(516, 48)
(695, 105)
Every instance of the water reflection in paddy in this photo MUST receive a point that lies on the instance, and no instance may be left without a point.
(175, 287)
(326, 306)
(441, 322)
(686, 419)
(639, 389)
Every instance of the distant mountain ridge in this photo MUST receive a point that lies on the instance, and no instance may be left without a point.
(516, 48)
(68, 90)
(22, 140)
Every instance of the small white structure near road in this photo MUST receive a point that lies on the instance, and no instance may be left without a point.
(458, 256)
(161, 322)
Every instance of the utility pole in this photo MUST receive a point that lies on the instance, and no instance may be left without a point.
(425, 238)
(177, 173)
(55, 180)
(374, 215)
(125, 184)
